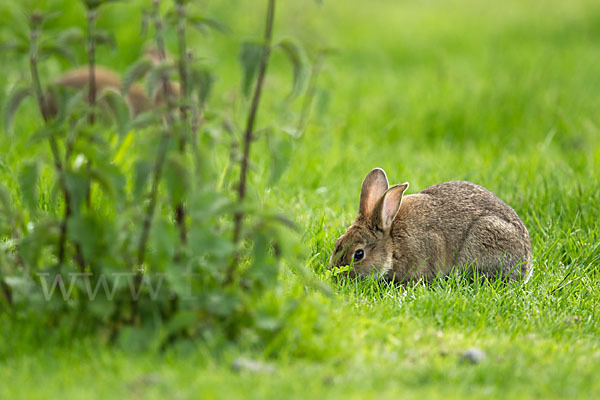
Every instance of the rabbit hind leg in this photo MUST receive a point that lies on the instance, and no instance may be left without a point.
(496, 248)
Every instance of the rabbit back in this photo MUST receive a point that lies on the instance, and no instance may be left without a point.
(458, 224)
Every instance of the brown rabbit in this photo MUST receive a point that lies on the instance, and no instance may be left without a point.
(106, 79)
(420, 236)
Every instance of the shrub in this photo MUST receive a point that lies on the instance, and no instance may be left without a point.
(129, 228)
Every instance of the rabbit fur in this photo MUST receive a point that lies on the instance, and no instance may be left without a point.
(449, 226)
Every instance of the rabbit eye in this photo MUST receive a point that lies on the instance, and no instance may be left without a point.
(359, 254)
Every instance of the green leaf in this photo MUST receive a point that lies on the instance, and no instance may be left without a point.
(77, 185)
(264, 268)
(105, 38)
(118, 108)
(138, 70)
(282, 220)
(65, 102)
(94, 4)
(56, 50)
(294, 54)
(145, 23)
(37, 18)
(88, 232)
(43, 234)
(5, 198)
(170, 17)
(16, 46)
(177, 180)
(157, 74)
(281, 152)
(181, 321)
(110, 179)
(202, 80)
(6, 204)
(163, 242)
(70, 36)
(203, 24)
(101, 307)
(136, 339)
(142, 170)
(323, 100)
(13, 103)
(268, 323)
(206, 242)
(144, 120)
(44, 133)
(74, 100)
(221, 303)
(250, 58)
(28, 181)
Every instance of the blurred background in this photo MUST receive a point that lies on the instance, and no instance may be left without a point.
(505, 94)
(501, 93)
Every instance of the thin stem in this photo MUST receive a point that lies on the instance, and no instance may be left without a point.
(147, 224)
(7, 292)
(182, 62)
(162, 151)
(92, 63)
(42, 104)
(157, 172)
(37, 86)
(239, 215)
(160, 159)
(197, 119)
(183, 77)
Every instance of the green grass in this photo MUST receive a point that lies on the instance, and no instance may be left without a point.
(503, 94)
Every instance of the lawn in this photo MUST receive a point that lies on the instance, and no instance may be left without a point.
(503, 94)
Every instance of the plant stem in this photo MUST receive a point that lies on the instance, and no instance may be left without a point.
(183, 76)
(182, 62)
(160, 159)
(157, 171)
(42, 104)
(239, 215)
(7, 292)
(92, 62)
(147, 224)
(162, 151)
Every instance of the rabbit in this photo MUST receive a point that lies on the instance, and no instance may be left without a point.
(452, 225)
(107, 79)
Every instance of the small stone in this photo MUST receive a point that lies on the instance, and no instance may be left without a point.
(244, 364)
(328, 380)
(141, 384)
(473, 355)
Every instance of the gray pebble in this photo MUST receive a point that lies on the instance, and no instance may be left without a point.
(473, 355)
(244, 364)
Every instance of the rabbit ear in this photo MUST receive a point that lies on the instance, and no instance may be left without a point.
(390, 204)
(373, 187)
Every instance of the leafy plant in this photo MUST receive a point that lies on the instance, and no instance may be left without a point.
(140, 243)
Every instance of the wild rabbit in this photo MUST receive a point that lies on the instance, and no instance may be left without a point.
(107, 79)
(420, 236)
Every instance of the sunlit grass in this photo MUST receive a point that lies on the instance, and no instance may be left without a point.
(502, 94)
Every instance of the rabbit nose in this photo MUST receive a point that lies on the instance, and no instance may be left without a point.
(334, 260)
(330, 266)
